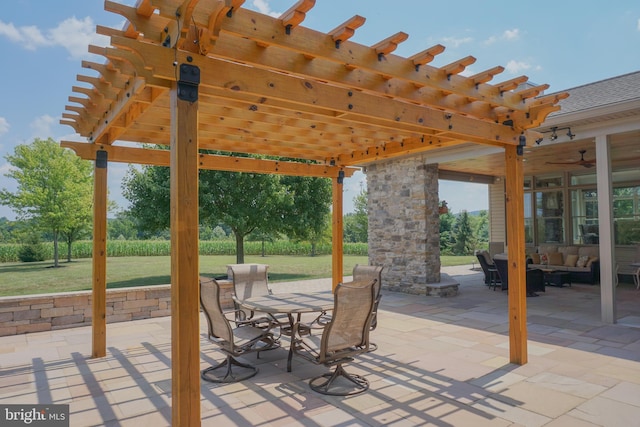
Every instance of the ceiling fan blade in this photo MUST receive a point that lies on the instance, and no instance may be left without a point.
(564, 163)
(581, 161)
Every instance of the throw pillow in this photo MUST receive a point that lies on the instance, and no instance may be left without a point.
(591, 260)
(555, 258)
(544, 259)
(582, 261)
(571, 261)
(535, 258)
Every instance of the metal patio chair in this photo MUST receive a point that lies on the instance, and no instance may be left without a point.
(251, 280)
(344, 337)
(233, 341)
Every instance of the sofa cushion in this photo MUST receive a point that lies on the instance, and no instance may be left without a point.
(568, 250)
(555, 258)
(591, 261)
(570, 260)
(582, 261)
(535, 258)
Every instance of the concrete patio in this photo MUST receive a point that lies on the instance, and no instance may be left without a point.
(440, 362)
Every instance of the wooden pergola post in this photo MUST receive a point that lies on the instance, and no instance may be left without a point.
(99, 270)
(185, 313)
(516, 255)
(337, 232)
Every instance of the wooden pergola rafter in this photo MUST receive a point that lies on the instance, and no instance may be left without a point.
(197, 75)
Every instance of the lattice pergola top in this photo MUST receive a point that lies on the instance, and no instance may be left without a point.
(273, 87)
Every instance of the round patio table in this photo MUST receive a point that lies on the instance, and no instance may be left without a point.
(290, 304)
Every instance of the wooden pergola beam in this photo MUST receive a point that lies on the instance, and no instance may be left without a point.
(336, 100)
(149, 157)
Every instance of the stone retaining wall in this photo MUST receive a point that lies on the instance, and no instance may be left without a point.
(45, 312)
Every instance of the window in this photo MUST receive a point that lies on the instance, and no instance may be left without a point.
(626, 215)
(549, 217)
(528, 219)
(584, 216)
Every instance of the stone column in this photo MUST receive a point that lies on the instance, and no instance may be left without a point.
(404, 224)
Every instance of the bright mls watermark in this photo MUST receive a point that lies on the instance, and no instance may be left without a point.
(34, 415)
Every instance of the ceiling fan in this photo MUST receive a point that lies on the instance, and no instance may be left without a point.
(581, 162)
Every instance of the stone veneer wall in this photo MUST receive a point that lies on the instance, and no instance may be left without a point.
(45, 312)
(404, 223)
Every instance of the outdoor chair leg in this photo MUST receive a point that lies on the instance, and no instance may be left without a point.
(230, 376)
(324, 387)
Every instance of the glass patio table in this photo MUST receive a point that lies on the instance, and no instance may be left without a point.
(291, 304)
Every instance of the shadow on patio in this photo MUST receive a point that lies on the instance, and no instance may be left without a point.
(440, 361)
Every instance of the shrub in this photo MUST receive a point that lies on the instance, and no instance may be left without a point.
(32, 251)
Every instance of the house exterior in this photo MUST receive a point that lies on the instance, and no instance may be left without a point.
(582, 179)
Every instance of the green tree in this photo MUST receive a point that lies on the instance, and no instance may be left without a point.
(244, 202)
(356, 224)
(148, 191)
(447, 221)
(54, 189)
(122, 227)
(464, 240)
(308, 216)
(480, 226)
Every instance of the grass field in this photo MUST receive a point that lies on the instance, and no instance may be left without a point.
(41, 277)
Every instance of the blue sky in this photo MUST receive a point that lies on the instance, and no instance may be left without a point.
(562, 43)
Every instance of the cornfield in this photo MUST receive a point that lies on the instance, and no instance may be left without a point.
(125, 248)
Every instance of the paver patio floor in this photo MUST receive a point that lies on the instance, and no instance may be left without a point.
(440, 362)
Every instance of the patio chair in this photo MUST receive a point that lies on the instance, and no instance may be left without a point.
(251, 280)
(345, 337)
(362, 274)
(232, 341)
(534, 278)
(488, 267)
(366, 273)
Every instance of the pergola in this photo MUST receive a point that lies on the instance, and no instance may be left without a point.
(210, 75)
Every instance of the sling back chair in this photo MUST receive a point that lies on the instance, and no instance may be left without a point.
(233, 341)
(251, 280)
(362, 274)
(344, 337)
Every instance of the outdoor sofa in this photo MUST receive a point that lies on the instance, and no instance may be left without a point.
(581, 262)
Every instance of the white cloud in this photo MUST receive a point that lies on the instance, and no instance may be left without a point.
(263, 6)
(511, 34)
(516, 67)
(72, 34)
(456, 42)
(4, 126)
(41, 126)
(508, 35)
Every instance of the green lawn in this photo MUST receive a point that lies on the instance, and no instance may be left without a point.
(41, 277)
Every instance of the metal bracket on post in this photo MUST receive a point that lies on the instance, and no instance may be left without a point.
(101, 159)
(188, 83)
(340, 177)
(522, 143)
